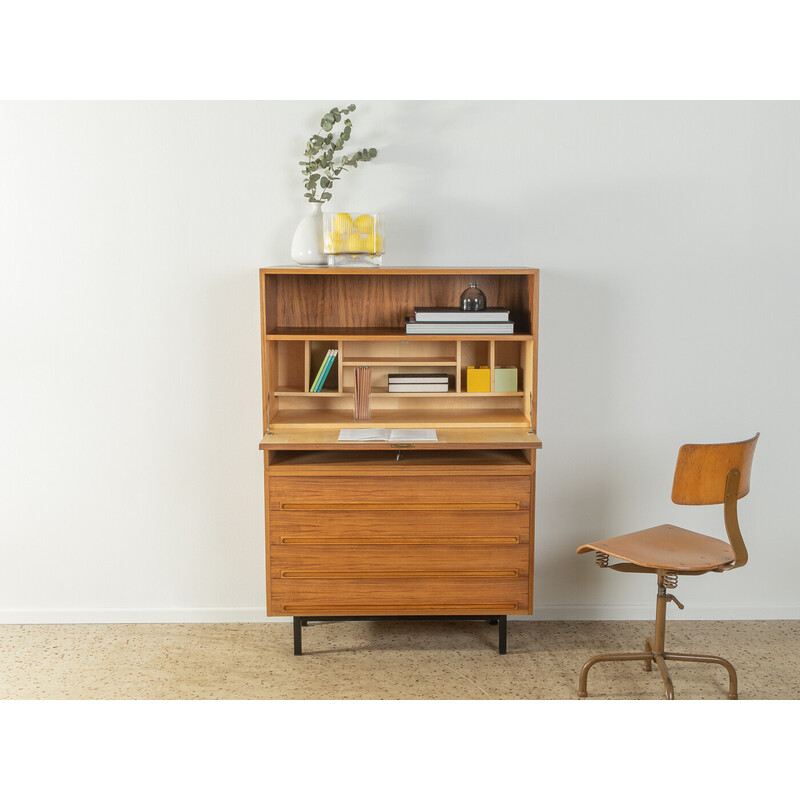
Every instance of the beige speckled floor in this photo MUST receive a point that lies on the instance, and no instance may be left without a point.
(387, 660)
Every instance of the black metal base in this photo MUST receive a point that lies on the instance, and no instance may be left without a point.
(494, 619)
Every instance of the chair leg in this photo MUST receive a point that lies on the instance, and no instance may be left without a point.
(607, 657)
(733, 683)
(654, 652)
(648, 648)
(669, 689)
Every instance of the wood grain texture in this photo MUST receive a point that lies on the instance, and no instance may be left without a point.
(383, 300)
(513, 493)
(423, 462)
(666, 547)
(398, 527)
(353, 531)
(376, 596)
(702, 470)
(326, 438)
(430, 417)
(399, 561)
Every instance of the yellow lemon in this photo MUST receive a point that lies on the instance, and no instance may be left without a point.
(338, 242)
(379, 243)
(342, 223)
(365, 224)
(355, 243)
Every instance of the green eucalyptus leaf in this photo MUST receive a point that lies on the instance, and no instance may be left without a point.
(320, 151)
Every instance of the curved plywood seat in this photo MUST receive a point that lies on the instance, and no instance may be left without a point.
(666, 547)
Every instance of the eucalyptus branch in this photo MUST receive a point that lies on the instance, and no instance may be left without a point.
(319, 169)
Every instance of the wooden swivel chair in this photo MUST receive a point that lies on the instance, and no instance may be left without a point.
(706, 474)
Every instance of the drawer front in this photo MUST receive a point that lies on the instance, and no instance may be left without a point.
(375, 597)
(384, 545)
(492, 492)
(346, 562)
(398, 527)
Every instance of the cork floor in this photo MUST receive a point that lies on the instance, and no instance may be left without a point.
(400, 660)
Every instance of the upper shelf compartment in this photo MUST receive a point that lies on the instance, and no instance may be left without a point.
(373, 303)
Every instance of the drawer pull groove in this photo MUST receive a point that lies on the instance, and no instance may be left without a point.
(394, 540)
(397, 573)
(336, 506)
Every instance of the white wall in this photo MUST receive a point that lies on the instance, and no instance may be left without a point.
(130, 238)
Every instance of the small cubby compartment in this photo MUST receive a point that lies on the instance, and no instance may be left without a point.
(474, 354)
(386, 358)
(289, 364)
(404, 352)
(509, 354)
(317, 351)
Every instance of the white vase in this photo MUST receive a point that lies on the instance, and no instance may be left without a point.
(307, 242)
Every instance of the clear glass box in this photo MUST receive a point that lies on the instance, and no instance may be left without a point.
(353, 239)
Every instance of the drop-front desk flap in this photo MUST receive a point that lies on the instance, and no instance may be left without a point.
(448, 439)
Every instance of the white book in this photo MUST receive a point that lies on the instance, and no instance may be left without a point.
(387, 435)
(458, 328)
(418, 377)
(439, 314)
(418, 387)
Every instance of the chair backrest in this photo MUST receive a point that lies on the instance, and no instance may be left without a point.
(702, 471)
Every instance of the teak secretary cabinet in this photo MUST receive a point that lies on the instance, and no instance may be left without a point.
(374, 530)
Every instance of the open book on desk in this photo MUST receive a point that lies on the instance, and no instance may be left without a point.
(387, 435)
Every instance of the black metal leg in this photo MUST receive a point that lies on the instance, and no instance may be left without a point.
(297, 624)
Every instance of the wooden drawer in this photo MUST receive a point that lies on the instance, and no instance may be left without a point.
(400, 596)
(491, 492)
(398, 527)
(399, 544)
(346, 562)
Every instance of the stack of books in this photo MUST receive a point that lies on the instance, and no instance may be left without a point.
(427, 382)
(323, 371)
(490, 321)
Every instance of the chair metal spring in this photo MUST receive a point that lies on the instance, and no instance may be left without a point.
(601, 559)
(670, 580)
